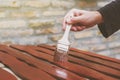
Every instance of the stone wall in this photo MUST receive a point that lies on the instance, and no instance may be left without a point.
(32, 22)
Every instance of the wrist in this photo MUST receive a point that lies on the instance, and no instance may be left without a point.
(98, 17)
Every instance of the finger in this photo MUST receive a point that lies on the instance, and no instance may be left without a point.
(75, 20)
(73, 29)
(79, 28)
(77, 13)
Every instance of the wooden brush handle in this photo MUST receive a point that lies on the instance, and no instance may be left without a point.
(66, 33)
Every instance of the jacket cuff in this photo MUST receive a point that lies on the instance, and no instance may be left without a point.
(110, 19)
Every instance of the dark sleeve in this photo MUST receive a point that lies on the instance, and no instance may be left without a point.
(111, 17)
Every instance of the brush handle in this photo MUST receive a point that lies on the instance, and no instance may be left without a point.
(64, 39)
(66, 33)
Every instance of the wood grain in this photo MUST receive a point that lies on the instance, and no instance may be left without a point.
(36, 63)
(81, 70)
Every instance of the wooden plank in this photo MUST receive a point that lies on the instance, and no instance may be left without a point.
(4, 75)
(86, 53)
(78, 69)
(43, 65)
(86, 57)
(25, 71)
(95, 66)
(97, 55)
(100, 68)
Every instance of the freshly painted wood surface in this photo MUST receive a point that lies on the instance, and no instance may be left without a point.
(36, 63)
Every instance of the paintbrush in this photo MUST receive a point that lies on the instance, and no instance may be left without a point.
(61, 52)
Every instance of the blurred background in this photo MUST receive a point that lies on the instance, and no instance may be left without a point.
(33, 22)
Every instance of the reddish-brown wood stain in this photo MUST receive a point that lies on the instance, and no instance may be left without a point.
(4, 75)
(36, 63)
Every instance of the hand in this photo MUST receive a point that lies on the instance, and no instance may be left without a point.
(82, 19)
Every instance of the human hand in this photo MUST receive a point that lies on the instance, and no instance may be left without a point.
(82, 19)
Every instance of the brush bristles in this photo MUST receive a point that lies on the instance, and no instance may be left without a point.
(61, 53)
(60, 56)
